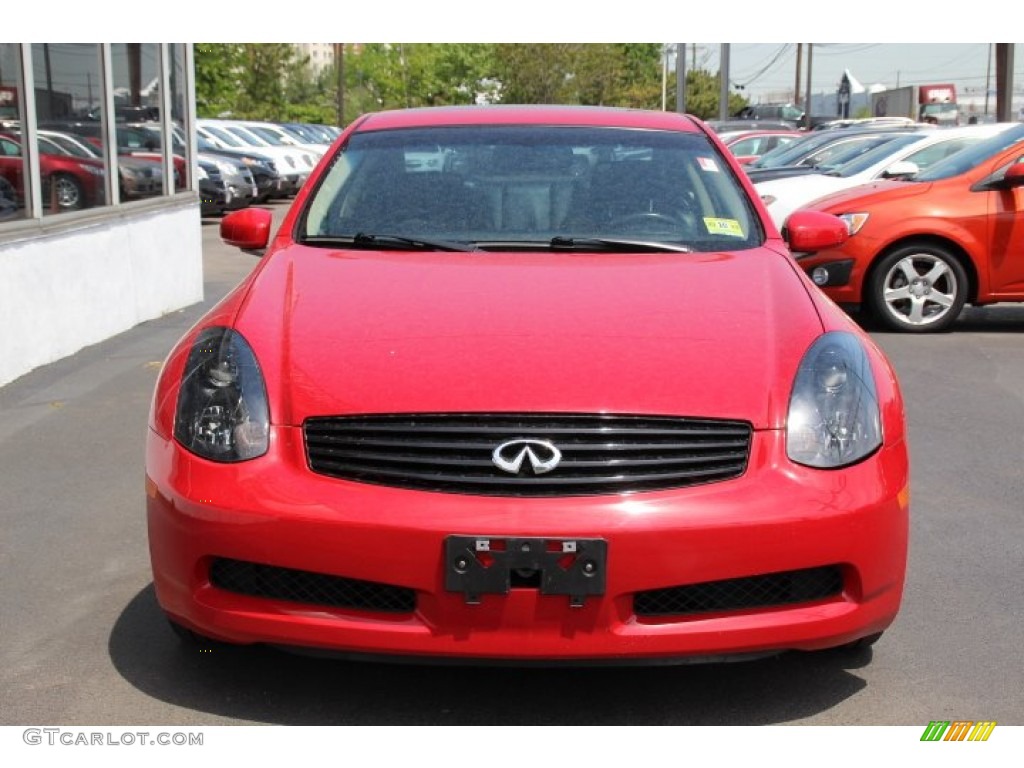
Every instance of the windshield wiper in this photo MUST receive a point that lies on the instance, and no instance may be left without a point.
(388, 242)
(614, 244)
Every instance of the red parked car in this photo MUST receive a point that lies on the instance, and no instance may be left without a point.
(920, 249)
(509, 408)
(747, 146)
(69, 183)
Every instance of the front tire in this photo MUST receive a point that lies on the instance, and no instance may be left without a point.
(917, 289)
(67, 192)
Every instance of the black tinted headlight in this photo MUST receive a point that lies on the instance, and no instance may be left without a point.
(222, 411)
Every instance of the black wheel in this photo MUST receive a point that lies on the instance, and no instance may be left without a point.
(66, 192)
(917, 288)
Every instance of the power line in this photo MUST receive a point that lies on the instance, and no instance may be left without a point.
(774, 60)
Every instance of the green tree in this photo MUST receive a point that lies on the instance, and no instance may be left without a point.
(381, 76)
(610, 74)
(309, 97)
(218, 68)
(703, 94)
(264, 72)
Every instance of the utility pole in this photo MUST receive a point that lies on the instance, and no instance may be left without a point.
(988, 77)
(807, 102)
(681, 78)
(796, 87)
(339, 66)
(723, 90)
(1004, 82)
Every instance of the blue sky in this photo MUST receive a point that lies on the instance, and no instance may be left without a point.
(764, 68)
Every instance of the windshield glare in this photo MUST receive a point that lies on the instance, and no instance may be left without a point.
(522, 185)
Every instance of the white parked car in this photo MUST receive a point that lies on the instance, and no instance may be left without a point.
(901, 157)
(280, 137)
(293, 163)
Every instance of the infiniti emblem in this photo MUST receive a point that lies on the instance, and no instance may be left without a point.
(543, 456)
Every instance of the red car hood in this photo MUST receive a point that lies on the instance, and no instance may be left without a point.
(703, 335)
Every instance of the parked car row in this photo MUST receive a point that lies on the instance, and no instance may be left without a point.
(935, 217)
(239, 162)
(290, 153)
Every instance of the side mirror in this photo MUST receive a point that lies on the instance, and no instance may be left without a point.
(1014, 176)
(248, 229)
(810, 231)
(901, 169)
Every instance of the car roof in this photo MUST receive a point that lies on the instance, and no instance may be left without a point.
(728, 136)
(527, 115)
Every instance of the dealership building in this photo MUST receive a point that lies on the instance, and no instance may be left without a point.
(99, 210)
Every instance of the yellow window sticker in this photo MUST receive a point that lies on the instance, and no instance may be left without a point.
(729, 227)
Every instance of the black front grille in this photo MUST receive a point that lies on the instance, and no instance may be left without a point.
(769, 590)
(599, 454)
(257, 580)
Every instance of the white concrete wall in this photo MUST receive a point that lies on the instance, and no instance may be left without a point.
(62, 291)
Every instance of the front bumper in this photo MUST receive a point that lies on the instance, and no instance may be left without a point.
(777, 517)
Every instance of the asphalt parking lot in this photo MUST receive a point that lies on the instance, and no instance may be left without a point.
(84, 641)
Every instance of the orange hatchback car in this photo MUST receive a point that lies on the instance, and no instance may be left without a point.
(920, 249)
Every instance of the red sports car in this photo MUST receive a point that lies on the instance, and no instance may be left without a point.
(510, 408)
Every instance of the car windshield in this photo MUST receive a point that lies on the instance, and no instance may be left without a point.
(521, 187)
(792, 153)
(74, 147)
(863, 157)
(272, 137)
(972, 157)
(246, 136)
(223, 136)
(842, 152)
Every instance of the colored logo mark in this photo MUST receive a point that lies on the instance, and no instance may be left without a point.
(958, 730)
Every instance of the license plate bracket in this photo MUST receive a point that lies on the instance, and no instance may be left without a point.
(484, 565)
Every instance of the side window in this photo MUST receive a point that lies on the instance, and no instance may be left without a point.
(746, 146)
(923, 158)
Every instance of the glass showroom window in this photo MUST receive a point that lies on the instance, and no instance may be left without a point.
(179, 110)
(13, 168)
(69, 97)
(136, 71)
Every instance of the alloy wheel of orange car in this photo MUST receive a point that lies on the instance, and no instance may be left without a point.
(917, 288)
